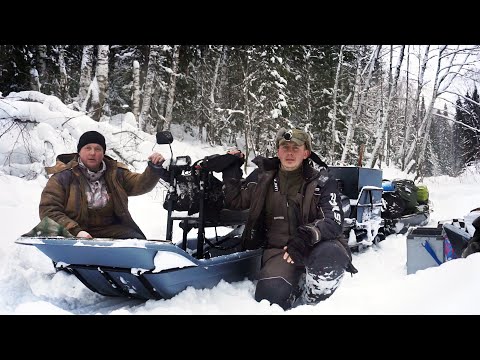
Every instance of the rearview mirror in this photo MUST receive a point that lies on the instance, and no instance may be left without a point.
(164, 137)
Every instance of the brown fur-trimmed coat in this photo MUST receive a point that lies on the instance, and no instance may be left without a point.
(64, 199)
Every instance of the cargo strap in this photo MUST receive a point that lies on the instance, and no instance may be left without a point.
(427, 247)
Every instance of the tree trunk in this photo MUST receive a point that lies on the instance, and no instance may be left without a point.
(212, 113)
(42, 67)
(85, 76)
(171, 89)
(101, 77)
(405, 116)
(428, 115)
(334, 112)
(409, 157)
(64, 95)
(351, 118)
(357, 108)
(148, 89)
(34, 80)
(136, 91)
(385, 115)
(443, 73)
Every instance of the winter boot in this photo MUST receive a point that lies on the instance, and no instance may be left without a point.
(276, 290)
(324, 270)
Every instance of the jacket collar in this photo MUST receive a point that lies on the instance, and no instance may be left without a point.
(272, 164)
(70, 161)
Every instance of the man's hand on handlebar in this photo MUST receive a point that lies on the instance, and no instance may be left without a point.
(156, 158)
(236, 152)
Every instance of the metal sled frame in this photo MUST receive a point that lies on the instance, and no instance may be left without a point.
(128, 268)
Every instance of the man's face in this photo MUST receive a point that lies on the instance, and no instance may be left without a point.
(92, 156)
(292, 155)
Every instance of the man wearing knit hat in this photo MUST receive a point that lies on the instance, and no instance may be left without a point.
(296, 216)
(88, 191)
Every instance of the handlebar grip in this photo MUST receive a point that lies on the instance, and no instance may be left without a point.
(155, 166)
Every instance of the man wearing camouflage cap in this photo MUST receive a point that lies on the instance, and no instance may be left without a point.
(296, 216)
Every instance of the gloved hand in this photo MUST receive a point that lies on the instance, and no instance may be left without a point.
(234, 171)
(297, 250)
(300, 245)
(310, 234)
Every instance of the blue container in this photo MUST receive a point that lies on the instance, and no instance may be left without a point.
(388, 186)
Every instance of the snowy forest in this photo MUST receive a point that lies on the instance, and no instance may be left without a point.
(364, 105)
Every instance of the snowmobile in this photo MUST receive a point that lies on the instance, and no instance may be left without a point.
(361, 196)
(160, 269)
(375, 207)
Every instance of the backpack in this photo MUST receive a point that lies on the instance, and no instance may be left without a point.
(422, 194)
(407, 190)
(394, 205)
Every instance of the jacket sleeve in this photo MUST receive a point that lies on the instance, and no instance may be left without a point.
(329, 212)
(138, 184)
(239, 192)
(52, 205)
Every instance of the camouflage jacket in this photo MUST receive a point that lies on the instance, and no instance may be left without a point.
(64, 198)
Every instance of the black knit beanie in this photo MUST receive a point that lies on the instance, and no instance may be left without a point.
(91, 137)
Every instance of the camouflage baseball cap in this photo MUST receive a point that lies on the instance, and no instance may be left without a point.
(298, 136)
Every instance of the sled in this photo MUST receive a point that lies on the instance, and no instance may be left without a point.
(401, 224)
(399, 219)
(143, 269)
(158, 269)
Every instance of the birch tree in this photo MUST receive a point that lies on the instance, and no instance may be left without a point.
(42, 67)
(411, 125)
(148, 87)
(98, 88)
(171, 88)
(447, 69)
(85, 75)
(385, 112)
(34, 80)
(359, 99)
(136, 90)
(334, 111)
(63, 83)
(213, 116)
